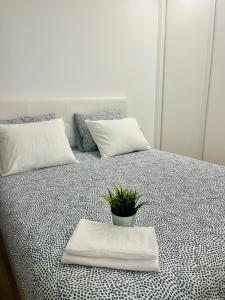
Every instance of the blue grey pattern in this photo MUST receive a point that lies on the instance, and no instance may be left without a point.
(29, 119)
(83, 138)
(40, 209)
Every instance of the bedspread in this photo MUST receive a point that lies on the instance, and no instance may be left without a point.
(40, 209)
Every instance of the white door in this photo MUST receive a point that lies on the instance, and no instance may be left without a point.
(185, 69)
(214, 150)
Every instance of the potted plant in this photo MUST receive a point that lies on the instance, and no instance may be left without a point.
(123, 204)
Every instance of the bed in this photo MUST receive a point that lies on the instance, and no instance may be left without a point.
(40, 209)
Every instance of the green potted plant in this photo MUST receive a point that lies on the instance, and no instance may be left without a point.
(124, 205)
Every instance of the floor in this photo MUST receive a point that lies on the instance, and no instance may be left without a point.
(7, 283)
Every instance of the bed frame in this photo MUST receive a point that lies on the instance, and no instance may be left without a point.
(63, 108)
(7, 275)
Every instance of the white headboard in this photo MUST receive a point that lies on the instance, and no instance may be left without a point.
(62, 107)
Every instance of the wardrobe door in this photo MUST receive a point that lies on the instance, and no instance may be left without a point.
(185, 67)
(215, 125)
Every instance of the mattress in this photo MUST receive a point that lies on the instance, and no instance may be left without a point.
(39, 210)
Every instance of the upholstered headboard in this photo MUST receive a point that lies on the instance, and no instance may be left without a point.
(62, 107)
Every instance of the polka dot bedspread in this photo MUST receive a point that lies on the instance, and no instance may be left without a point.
(40, 209)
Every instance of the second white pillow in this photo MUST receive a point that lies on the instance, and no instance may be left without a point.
(114, 137)
(29, 146)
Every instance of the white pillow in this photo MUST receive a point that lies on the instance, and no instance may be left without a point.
(115, 137)
(29, 146)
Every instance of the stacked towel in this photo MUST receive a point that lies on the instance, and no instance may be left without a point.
(107, 245)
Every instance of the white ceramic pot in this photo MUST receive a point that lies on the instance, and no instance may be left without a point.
(123, 221)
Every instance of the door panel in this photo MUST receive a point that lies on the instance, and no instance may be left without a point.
(186, 51)
(215, 126)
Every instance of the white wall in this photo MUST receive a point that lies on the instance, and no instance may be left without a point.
(81, 48)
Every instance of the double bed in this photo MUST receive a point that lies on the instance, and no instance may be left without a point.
(40, 209)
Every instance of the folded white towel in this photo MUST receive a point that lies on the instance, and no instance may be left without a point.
(114, 263)
(106, 240)
(107, 245)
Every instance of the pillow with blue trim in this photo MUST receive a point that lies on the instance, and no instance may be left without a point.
(29, 119)
(83, 138)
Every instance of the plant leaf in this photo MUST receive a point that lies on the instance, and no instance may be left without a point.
(123, 201)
